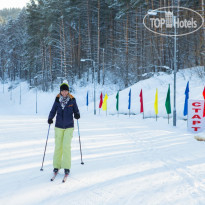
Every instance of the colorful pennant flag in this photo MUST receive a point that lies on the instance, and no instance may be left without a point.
(117, 102)
(87, 99)
(129, 101)
(168, 103)
(104, 105)
(141, 101)
(186, 99)
(156, 102)
(101, 100)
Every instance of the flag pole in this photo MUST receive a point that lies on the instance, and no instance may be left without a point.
(168, 118)
(106, 107)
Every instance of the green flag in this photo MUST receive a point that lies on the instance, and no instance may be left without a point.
(117, 103)
(168, 103)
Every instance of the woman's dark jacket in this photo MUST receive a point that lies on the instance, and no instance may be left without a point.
(64, 118)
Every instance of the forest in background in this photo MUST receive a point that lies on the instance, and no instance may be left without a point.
(48, 39)
(7, 14)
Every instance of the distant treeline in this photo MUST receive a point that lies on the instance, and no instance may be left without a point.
(6, 14)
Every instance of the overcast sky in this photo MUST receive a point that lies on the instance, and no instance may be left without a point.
(13, 3)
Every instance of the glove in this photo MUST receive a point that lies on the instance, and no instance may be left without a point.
(50, 121)
(76, 116)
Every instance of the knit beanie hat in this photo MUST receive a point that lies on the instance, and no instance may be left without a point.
(64, 86)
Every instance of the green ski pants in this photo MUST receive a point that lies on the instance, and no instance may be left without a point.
(62, 153)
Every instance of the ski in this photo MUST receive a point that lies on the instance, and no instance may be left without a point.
(65, 178)
(54, 176)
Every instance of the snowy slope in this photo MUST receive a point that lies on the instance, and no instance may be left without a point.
(128, 160)
(161, 81)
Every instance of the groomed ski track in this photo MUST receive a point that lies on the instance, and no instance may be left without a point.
(128, 161)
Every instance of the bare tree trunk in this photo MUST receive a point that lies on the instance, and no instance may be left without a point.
(112, 44)
(127, 47)
(61, 49)
(136, 37)
(43, 64)
(46, 68)
(203, 36)
(141, 46)
(73, 55)
(203, 14)
(98, 54)
(79, 50)
(64, 50)
(71, 46)
(161, 42)
(89, 38)
(50, 66)
(103, 67)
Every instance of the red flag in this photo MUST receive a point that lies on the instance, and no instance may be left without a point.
(141, 101)
(204, 92)
(101, 100)
(204, 102)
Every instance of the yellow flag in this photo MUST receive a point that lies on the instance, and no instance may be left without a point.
(104, 105)
(156, 102)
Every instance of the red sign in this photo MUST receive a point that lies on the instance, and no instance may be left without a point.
(195, 116)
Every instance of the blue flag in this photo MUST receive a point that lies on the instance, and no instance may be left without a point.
(186, 99)
(87, 99)
(129, 102)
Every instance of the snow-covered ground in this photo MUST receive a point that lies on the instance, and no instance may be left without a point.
(128, 160)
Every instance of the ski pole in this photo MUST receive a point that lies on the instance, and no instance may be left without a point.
(45, 148)
(80, 144)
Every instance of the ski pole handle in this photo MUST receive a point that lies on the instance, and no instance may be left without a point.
(78, 129)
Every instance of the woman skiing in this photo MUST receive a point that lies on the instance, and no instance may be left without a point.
(65, 106)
